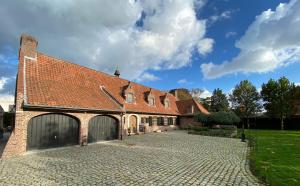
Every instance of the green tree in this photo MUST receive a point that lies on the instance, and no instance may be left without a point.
(245, 100)
(219, 101)
(279, 97)
(206, 105)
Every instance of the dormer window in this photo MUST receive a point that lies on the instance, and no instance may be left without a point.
(128, 93)
(151, 101)
(167, 103)
(150, 98)
(130, 98)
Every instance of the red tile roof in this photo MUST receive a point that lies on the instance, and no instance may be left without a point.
(52, 82)
(183, 106)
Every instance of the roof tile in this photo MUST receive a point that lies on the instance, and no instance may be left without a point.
(56, 83)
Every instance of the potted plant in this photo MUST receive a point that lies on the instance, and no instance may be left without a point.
(129, 131)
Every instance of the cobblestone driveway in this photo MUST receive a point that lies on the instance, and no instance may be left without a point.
(173, 158)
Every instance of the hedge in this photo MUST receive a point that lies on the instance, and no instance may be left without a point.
(221, 118)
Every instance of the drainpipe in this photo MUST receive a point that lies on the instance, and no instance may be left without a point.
(122, 124)
(122, 114)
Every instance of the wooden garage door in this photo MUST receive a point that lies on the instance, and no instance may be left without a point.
(102, 128)
(52, 130)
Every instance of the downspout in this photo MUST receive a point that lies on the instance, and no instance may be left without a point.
(122, 123)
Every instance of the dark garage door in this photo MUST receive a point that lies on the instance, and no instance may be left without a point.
(52, 130)
(102, 128)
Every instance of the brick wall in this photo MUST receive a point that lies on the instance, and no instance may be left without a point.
(17, 142)
(154, 126)
(186, 121)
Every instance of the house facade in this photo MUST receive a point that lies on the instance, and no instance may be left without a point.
(59, 103)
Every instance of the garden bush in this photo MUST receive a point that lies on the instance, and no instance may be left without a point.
(218, 118)
(221, 132)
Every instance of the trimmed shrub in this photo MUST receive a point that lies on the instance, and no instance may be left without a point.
(219, 118)
(225, 118)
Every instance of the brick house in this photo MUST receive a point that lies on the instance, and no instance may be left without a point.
(59, 103)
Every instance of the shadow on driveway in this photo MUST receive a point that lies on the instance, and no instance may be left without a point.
(3, 142)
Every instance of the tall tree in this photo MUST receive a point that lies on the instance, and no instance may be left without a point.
(245, 100)
(279, 98)
(219, 101)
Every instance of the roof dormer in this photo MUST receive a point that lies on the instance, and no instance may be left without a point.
(166, 101)
(129, 94)
(151, 98)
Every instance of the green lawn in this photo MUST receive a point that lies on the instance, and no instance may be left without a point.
(275, 156)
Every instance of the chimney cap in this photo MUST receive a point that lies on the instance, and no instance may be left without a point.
(26, 37)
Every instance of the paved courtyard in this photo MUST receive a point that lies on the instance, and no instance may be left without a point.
(173, 158)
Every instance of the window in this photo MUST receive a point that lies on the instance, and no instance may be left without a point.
(160, 121)
(151, 101)
(150, 121)
(170, 121)
(144, 120)
(129, 98)
(167, 104)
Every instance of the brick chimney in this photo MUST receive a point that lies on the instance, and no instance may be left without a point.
(28, 45)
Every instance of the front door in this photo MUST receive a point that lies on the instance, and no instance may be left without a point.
(133, 124)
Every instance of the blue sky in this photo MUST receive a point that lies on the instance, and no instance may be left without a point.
(243, 14)
(163, 44)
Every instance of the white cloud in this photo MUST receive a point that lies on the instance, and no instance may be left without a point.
(271, 41)
(230, 34)
(182, 81)
(148, 77)
(297, 84)
(200, 93)
(103, 34)
(224, 15)
(3, 81)
(6, 100)
(205, 46)
(206, 93)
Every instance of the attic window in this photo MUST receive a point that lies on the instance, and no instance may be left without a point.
(151, 101)
(167, 103)
(130, 98)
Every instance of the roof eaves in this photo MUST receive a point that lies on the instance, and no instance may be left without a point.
(154, 113)
(68, 108)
